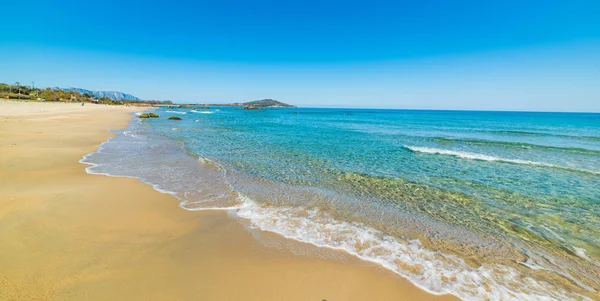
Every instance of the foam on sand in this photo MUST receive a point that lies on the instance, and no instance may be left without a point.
(205, 187)
(434, 272)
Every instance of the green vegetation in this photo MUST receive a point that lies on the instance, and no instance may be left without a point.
(174, 118)
(263, 103)
(148, 115)
(18, 91)
(267, 103)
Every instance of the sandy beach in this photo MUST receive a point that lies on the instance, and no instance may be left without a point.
(68, 235)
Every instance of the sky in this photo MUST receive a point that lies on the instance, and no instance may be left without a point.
(475, 55)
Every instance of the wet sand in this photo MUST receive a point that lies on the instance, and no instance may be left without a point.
(68, 235)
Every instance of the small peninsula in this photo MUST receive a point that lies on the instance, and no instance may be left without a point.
(268, 103)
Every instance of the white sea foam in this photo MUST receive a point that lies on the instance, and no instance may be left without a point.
(132, 134)
(474, 156)
(176, 112)
(202, 112)
(90, 171)
(434, 272)
(184, 205)
(580, 252)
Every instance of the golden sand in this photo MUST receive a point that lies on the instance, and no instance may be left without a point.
(68, 235)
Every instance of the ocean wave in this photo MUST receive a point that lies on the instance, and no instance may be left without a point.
(133, 134)
(93, 165)
(516, 145)
(482, 157)
(127, 155)
(432, 271)
(526, 133)
(176, 112)
(202, 112)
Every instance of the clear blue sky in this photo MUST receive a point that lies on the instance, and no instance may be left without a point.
(499, 55)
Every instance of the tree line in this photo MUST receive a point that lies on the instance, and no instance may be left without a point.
(19, 91)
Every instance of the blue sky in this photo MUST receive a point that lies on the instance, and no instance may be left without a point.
(490, 55)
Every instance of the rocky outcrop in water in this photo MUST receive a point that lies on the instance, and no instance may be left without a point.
(148, 115)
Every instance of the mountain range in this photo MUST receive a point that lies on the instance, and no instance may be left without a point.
(114, 95)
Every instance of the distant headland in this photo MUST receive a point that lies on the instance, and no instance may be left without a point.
(257, 104)
(24, 92)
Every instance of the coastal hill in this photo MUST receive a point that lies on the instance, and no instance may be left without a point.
(256, 104)
(113, 95)
(268, 103)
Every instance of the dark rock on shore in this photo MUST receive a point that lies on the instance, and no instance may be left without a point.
(148, 115)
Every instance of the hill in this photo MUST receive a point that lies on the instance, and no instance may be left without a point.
(114, 95)
(267, 103)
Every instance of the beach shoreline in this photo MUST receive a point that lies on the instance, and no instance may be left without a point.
(69, 235)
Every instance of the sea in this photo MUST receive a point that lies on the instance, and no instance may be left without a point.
(481, 205)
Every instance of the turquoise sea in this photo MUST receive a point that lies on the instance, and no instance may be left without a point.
(482, 205)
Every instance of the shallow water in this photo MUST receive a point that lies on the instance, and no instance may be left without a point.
(493, 205)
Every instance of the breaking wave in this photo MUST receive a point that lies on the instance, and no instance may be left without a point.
(516, 145)
(526, 133)
(434, 272)
(176, 112)
(482, 157)
(202, 112)
(201, 184)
